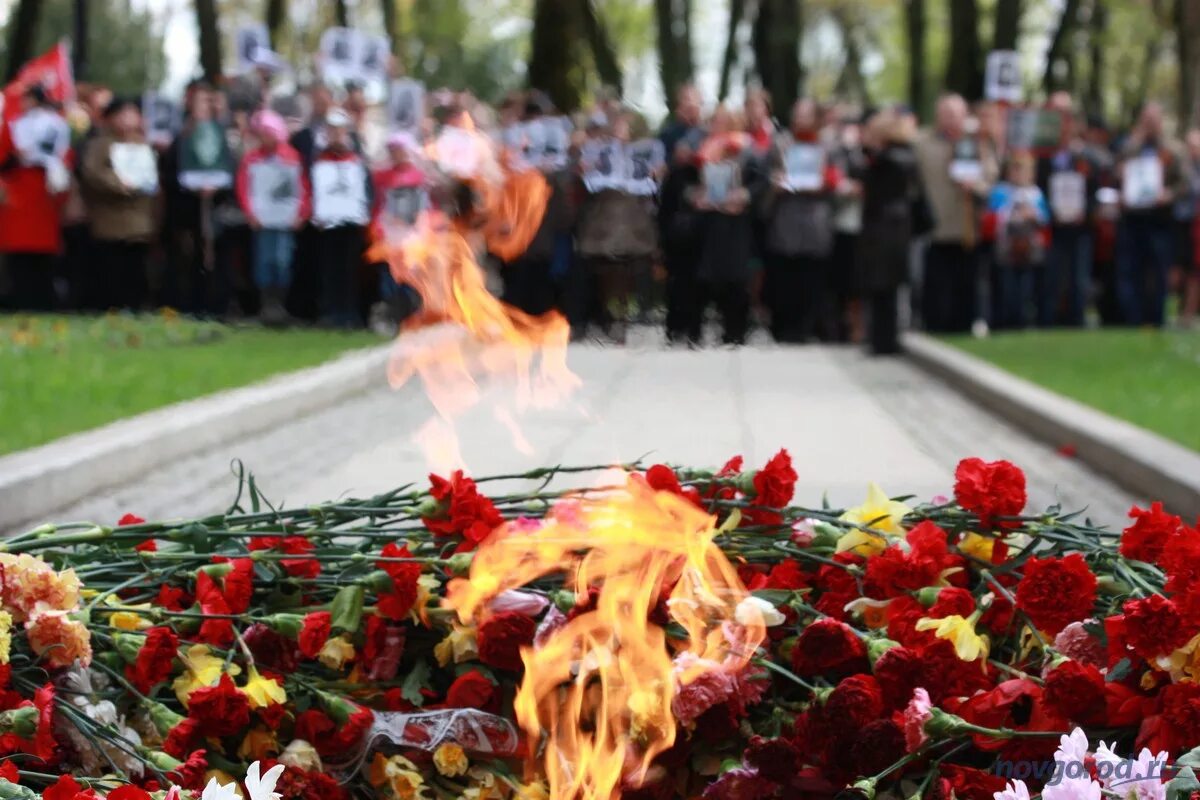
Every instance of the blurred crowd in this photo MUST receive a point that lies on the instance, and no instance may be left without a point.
(816, 222)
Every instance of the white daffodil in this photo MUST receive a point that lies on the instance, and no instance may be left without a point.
(215, 791)
(757, 611)
(263, 787)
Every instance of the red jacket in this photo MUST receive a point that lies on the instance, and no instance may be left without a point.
(30, 216)
(285, 154)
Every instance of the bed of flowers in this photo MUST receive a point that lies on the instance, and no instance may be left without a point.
(665, 633)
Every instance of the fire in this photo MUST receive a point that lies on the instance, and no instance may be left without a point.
(472, 333)
(600, 687)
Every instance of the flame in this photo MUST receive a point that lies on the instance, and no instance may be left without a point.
(600, 687)
(471, 333)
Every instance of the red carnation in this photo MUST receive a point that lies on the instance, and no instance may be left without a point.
(990, 489)
(952, 600)
(662, 478)
(190, 774)
(969, 783)
(1145, 538)
(221, 710)
(314, 633)
(182, 738)
(786, 575)
(876, 746)
(129, 519)
(775, 759)
(1154, 627)
(1181, 713)
(65, 788)
(500, 638)
(238, 585)
(399, 601)
(898, 671)
(828, 647)
(472, 689)
(172, 598)
(774, 486)
(1055, 592)
(315, 727)
(854, 702)
(1180, 559)
(352, 730)
(465, 512)
(1075, 691)
(154, 659)
(128, 792)
(8, 771)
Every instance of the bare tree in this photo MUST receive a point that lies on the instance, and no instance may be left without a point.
(673, 18)
(1097, 33)
(777, 32)
(1008, 25)
(276, 17)
(1056, 55)
(601, 45)
(964, 67)
(737, 10)
(341, 13)
(22, 31)
(207, 21)
(79, 43)
(1187, 16)
(914, 26)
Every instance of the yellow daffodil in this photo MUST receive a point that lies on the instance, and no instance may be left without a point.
(451, 760)
(878, 513)
(977, 546)
(404, 779)
(261, 691)
(873, 612)
(960, 632)
(336, 652)
(5, 635)
(533, 791)
(1183, 664)
(200, 669)
(427, 587)
(258, 744)
(457, 647)
(128, 621)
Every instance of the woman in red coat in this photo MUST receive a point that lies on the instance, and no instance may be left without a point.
(34, 179)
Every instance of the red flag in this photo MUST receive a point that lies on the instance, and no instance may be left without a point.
(51, 70)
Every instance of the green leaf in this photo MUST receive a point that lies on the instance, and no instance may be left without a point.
(347, 608)
(1184, 783)
(1119, 672)
(1189, 759)
(417, 679)
(775, 597)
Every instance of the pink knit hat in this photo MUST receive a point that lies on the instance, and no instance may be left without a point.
(267, 121)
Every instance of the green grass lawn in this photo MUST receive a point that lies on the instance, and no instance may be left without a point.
(1149, 377)
(60, 375)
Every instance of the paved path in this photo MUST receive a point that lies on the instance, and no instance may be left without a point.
(845, 418)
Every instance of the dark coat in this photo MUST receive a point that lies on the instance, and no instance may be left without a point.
(617, 225)
(891, 189)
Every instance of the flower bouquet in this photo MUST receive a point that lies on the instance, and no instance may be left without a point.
(665, 632)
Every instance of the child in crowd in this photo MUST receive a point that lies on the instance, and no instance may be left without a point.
(119, 176)
(274, 193)
(1021, 218)
(401, 198)
(342, 194)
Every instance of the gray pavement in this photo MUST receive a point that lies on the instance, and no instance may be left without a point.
(846, 419)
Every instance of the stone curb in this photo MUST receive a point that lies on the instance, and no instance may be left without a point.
(1142, 462)
(34, 482)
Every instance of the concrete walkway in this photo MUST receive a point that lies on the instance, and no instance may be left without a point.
(845, 418)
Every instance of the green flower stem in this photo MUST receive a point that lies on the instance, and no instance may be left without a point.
(787, 673)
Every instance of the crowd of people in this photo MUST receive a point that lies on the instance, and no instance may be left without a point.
(808, 221)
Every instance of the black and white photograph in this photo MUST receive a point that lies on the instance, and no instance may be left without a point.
(339, 194)
(275, 191)
(803, 168)
(251, 39)
(406, 105)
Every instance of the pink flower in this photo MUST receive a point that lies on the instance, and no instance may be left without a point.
(916, 714)
(708, 689)
(740, 783)
(1017, 790)
(1072, 789)
(803, 531)
(1076, 643)
(526, 603)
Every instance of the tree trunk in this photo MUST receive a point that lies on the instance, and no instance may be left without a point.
(964, 68)
(1188, 27)
(552, 64)
(210, 39)
(341, 14)
(1008, 25)
(673, 18)
(914, 19)
(1057, 57)
(79, 42)
(737, 9)
(22, 32)
(1097, 32)
(276, 17)
(851, 83)
(777, 32)
(601, 46)
(391, 25)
